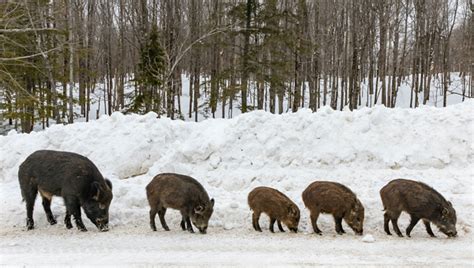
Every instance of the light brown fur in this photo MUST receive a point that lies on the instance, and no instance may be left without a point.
(276, 205)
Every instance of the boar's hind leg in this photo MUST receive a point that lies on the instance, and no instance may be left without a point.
(29, 196)
(394, 218)
(47, 210)
(386, 220)
(72, 205)
(428, 228)
(153, 212)
(183, 224)
(338, 221)
(314, 218)
(161, 214)
(414, 220)
(280, 227)
(255, 218)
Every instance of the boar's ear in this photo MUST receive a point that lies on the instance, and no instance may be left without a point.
(212, 202)
(95, 190)
(199, 209)
(108, 183)
(450, 204)
(292, 210)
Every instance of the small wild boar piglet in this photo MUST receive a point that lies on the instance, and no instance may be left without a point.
(276, 205)
(336, 199)
(72, 176)
(183, 193)
(421, 202)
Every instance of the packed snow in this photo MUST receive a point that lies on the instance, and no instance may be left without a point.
(364, 150)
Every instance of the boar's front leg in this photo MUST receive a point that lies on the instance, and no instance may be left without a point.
(188, 224)
(183, 224)
(280, 227)
(72, 205)
(428, 228)
(161, 214)
(338, 221)
(67, 220)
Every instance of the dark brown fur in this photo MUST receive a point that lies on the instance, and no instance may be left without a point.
(169, 190)
(276, 205)
(421, 202)
(336, 199)
(69, 175)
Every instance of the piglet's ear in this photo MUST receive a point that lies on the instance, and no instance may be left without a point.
(95, 190)
(108, 183)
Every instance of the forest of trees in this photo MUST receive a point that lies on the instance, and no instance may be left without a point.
(245, 54)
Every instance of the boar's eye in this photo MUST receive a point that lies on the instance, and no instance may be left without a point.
(101, 206)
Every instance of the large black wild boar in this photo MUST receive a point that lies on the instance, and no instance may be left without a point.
(336, 199)
(421, 202)
(183, 193)
(72, 176)
(276, 205)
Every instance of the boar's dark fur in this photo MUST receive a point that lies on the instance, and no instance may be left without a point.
(72, 176)
(421, 202)
(336, 199)
(276, 205)
(183, 193)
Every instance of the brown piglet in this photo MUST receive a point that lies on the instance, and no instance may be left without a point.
(336, 199)
(276, 205)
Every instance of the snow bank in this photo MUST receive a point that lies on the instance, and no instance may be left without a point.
(363, 149)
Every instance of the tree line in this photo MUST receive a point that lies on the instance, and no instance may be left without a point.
(275, 55)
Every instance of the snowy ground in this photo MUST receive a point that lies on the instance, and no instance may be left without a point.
(139, 246)
(364, 150)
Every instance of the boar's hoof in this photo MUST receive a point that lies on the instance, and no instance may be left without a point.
(30, 224)
(166, 228)
(52, 221)
(82, 228)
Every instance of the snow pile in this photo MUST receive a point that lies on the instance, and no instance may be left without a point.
(363, 149)
(368, 238)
